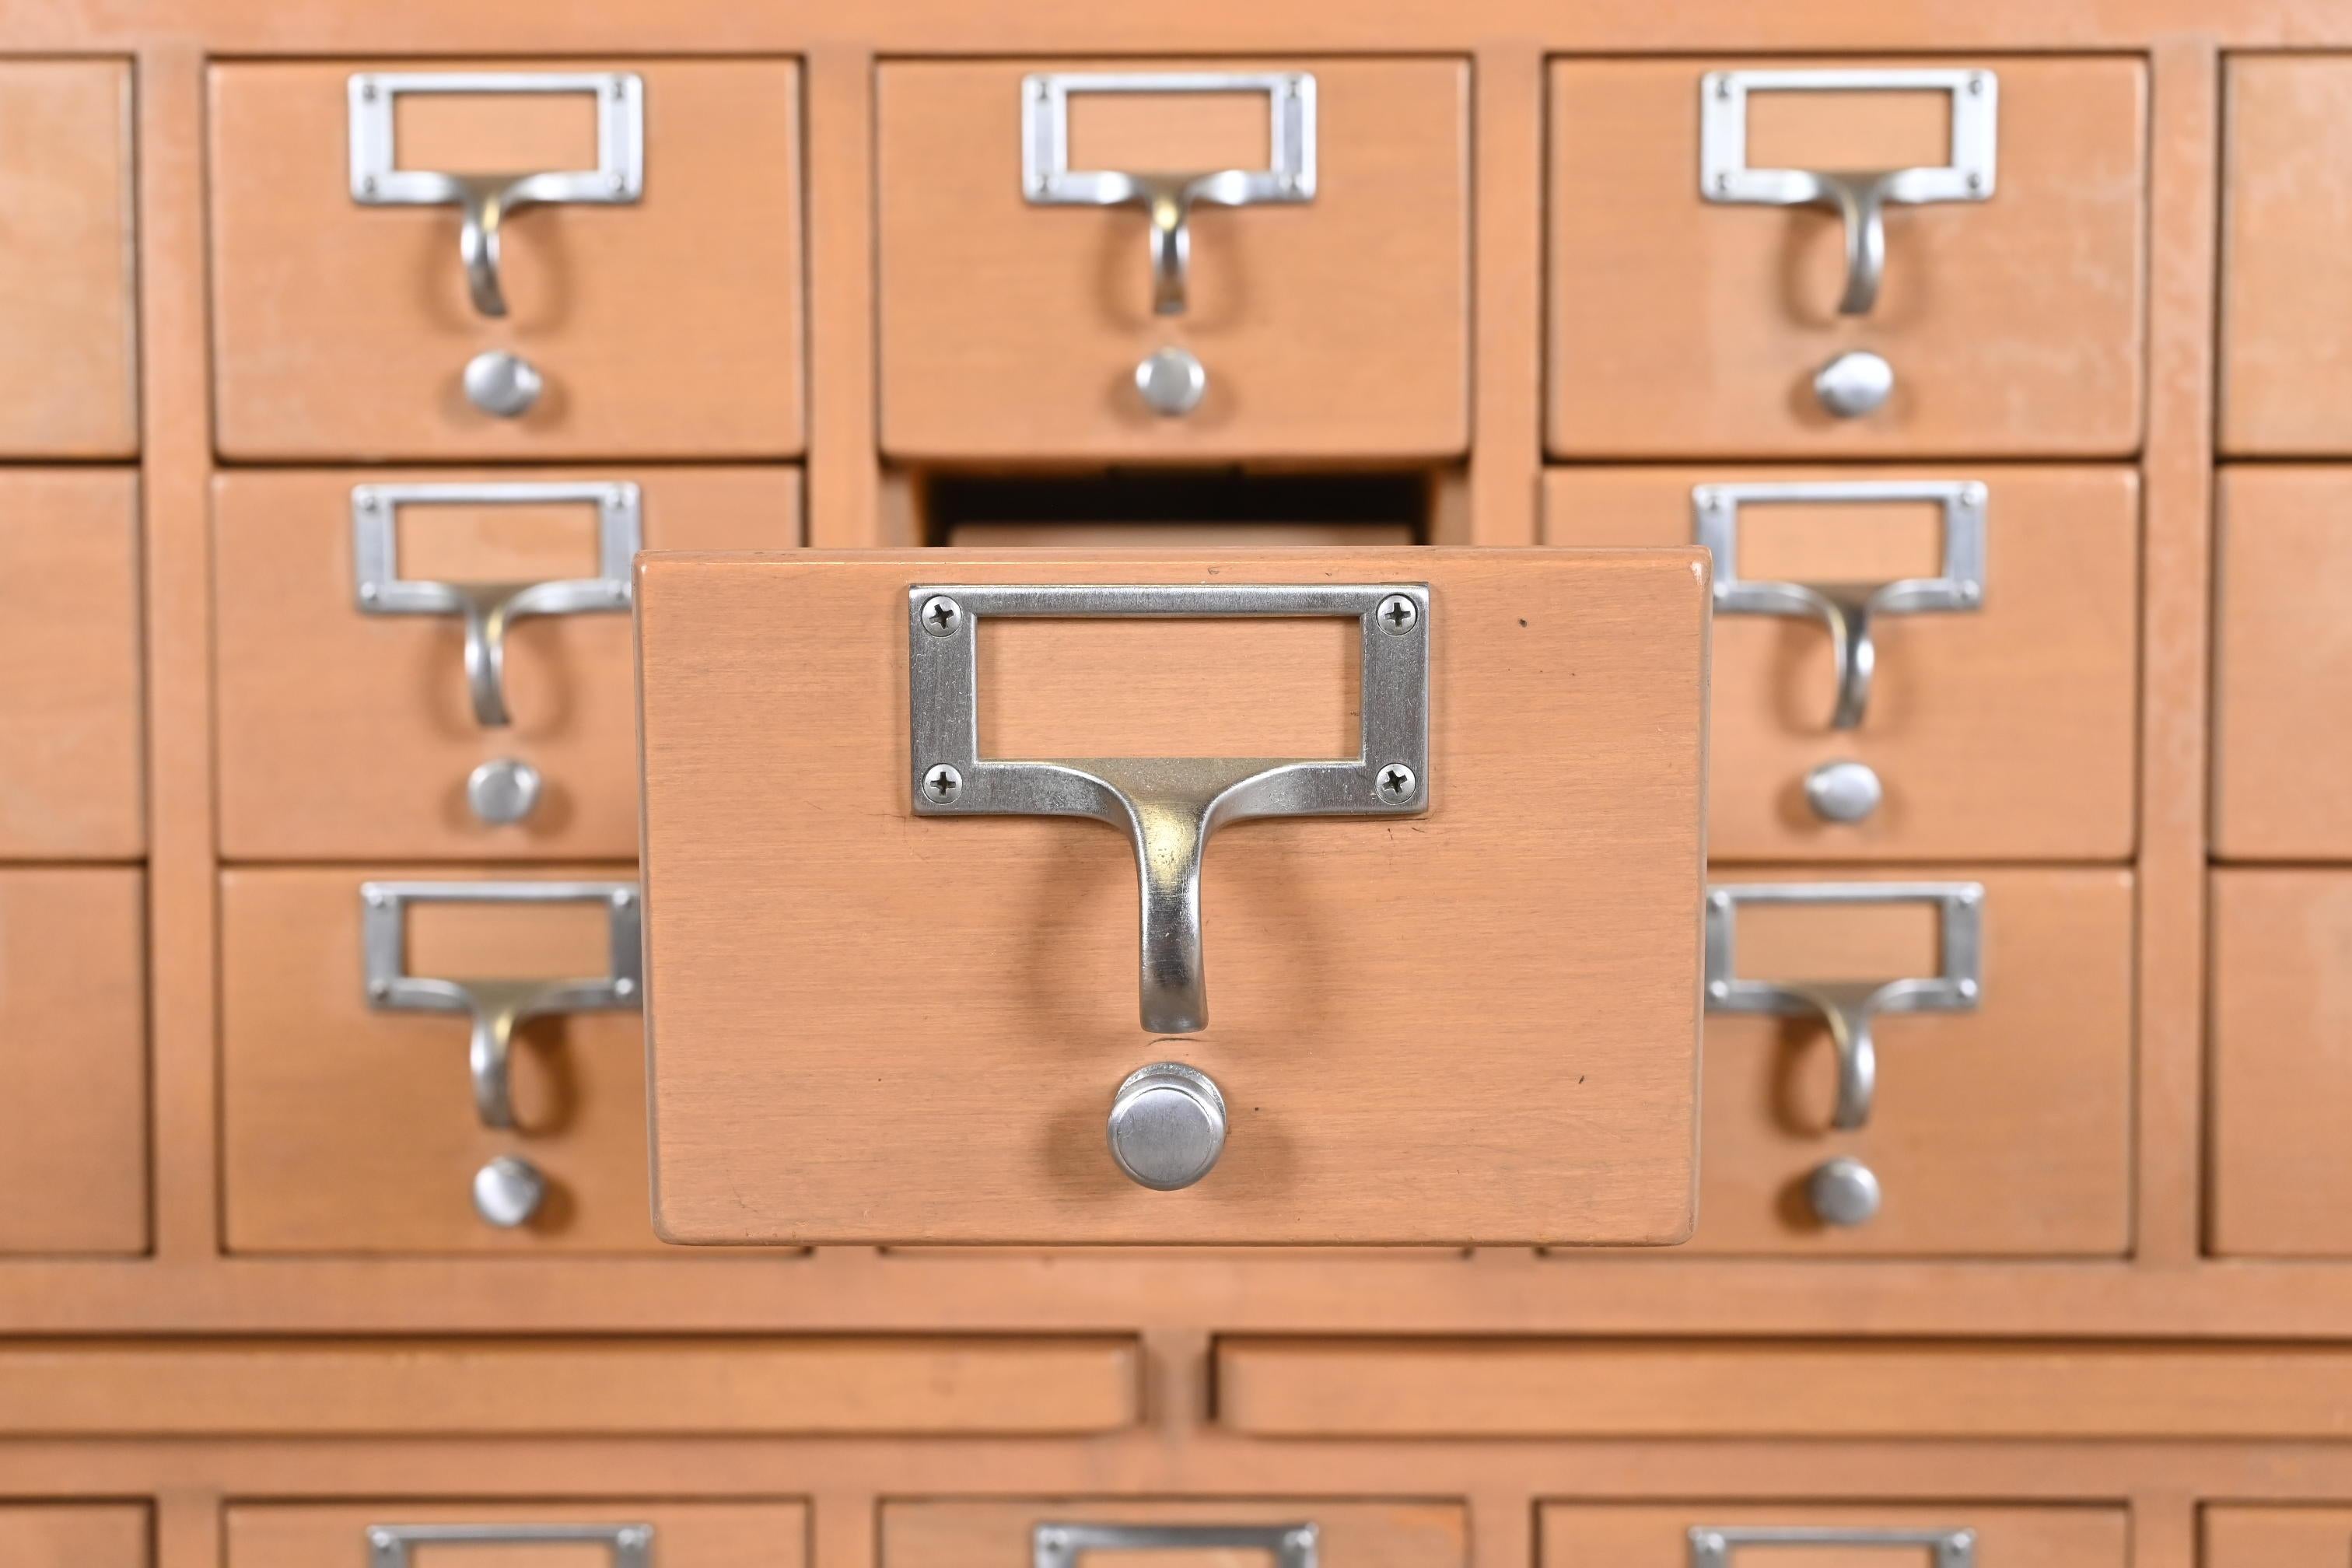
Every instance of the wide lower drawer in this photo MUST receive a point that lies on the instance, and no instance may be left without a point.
(1058, 1532)
(1830, 1535)
(2277, 1537)
(557, 1533)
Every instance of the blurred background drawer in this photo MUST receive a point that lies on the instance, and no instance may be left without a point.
(1806, 1535)
(1702, 301)
(73, 1062)
(2280, 1056)
(349, 726)
(491, 1049)
(556, 1533)
(1973, 1097)
(72, 746)
(67, 317)
(2275, 1537)
(2281, 663)
(1326, 318)
(1999, 717)
(642, 296)
(1309, 1532)
(74, 1535)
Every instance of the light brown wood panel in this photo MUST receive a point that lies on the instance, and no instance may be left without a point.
(73, 1060)
(2238, 1537)
(2003, 732)
(347, 1130)
(71, 769)
(571, 1388)
(74, 1535)
(1588, 1535)
(1334, 327)
(2282, 661)
(66, 310)
(684, 1534)
(1471, 1025)
(2280, 1172)
(2001, 1131)
(1681, 327)
(1565, 1388)
(350, 735)
(670, 327)
(984, 1533)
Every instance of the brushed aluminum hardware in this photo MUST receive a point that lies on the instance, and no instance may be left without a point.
(1854, 383)
(501, 384)
(484, 198)
(1167, 199)
(503, 791)
(1711, 1545)
(1843, 791)
(498, 1006)
(1059, 1545)
(1167, 1126)
(1846, 608)
(1859, 197)
(1172, 381)
(393, 1545)
(1848, 1009)
(507, 1191)
(1170, 806)
(490, 608)
(1843, 1191)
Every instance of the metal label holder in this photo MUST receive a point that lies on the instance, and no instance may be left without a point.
(393, 1545)
(1060, 1545)
(1712, 1545)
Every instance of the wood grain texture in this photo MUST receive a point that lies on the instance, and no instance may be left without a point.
(73, 1060)
(74, 1535)
(684, 1534)
(1585, 1535)
(72, 772)
(868, 1026)
(666, 328)
(348, 735)
(2275, 1537)
(1681, 327)
(983, 1533)
(2007, 733)
(1335, 328)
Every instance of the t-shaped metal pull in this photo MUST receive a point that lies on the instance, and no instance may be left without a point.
(1170, 806)
(489, 609)
(1859, 197)
(1167, 199)
(1846, 609)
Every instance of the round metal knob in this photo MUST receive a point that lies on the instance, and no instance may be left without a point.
(507, 1192)
(501, 383)
(1854, 384)
(1172, 381)
(1843, 790)
(1167, 1126)
(1843, 1191)
(503, 791)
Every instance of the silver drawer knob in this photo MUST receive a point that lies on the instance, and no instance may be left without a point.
(1854, 383)
(503, 791)
(507, 1192)
(1172, 381)
(1843, 1191)
(502, 384)
(1167, 1126)
(1843, 790)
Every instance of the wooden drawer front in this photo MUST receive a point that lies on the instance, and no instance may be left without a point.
(2286, 225)
(73, 1063)
(66, 310)
(1065, 1533)
(307, 1062)
(347, 733)
(2281, 1059)
(1806, 1535)
(2004, 728)
(1681, 324)
(2277, 1537)
(74, 1535)
(70, 743)
(2282, 662)
(872, 1025)
(2001, 1129)
(557, 1533)
(668, 325)
(1013, 328)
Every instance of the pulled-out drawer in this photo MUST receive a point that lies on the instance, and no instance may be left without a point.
(1306, 1532)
